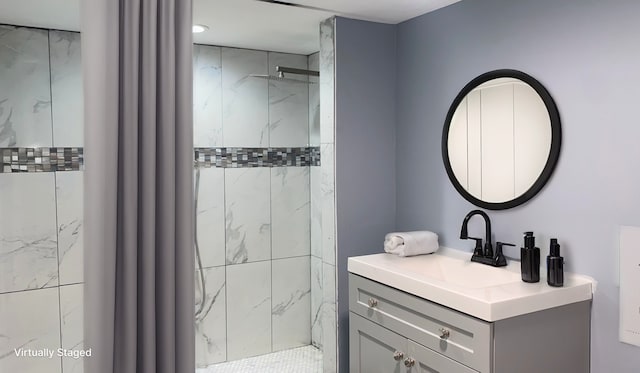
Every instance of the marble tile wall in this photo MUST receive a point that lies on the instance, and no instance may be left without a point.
(326, 195)
(288, 102)
(40, 213)
(290, 235)
(207, 96)
(254, 229)
(34, 323)
(316, 206)
(71, 324)
(253, 223)
(248, 215)
(245, 100)
(25, 96)
(316, 301)
(291, 301)
(28, 242)
(249, 310)
(66, 88)
(211, 323)
(314, 100)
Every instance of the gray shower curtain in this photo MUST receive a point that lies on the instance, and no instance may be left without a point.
(139, 265)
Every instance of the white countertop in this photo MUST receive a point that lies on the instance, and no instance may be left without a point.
(448, 277)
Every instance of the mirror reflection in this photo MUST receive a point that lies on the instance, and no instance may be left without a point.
(498, 141)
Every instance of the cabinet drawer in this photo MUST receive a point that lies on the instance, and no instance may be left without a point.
(468, 340)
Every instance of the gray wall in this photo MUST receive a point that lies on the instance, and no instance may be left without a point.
(587, 55)
(365, 148)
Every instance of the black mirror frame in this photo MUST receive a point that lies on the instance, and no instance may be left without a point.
(556, 138)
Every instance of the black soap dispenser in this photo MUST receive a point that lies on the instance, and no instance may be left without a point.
(530, 259)
(555, 265)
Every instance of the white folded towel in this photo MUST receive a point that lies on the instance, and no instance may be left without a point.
(411, 243)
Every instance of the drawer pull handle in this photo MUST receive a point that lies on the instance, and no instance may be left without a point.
(373, 302)
(444, 333)
(398, 355)
(409, 362)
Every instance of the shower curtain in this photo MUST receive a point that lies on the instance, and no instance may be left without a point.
(139, 292)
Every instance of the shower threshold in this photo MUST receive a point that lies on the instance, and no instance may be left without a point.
(307, 359)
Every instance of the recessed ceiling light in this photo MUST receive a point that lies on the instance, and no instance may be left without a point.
(199, 28)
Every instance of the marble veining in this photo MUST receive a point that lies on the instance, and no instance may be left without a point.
(248, 310)
(290, 310)
(28, 244)
(329, 323)
(211, 217)
(72, 323)
(25, 99)
(248, 215)
(281, 308)
(327, 77)
(290, 235)
(69, 202)
(211, 329)
(327, 191)
(31, 326)
(245, 100)
(315, 212)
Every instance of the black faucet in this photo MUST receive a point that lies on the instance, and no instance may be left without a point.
(484, 255)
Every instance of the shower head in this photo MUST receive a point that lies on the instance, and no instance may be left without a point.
(280, 78)
(289, 70)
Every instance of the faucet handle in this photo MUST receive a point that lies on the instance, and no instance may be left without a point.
(500, 244)
(478, 249)
(499, 258)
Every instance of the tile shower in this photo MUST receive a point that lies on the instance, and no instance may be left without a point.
(255, 208)
(265, 210)
(40, 197)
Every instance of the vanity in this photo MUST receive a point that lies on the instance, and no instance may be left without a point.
(452, 312)
(443, 313)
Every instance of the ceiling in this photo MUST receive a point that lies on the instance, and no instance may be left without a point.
(240, 23)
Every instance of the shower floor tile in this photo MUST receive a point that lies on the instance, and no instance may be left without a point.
(307, 359)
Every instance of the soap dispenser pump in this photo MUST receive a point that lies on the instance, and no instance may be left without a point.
(555, 264)
(530, 259)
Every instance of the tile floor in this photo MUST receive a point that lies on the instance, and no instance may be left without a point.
(307, 359)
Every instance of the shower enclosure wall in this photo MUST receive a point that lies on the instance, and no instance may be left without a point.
(258, 217)
(40, 198)
(265, 217)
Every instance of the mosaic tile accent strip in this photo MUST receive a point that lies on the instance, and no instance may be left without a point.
(256, 157)
(16, 160)
(41, 159)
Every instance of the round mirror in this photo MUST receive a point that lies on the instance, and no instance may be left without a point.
(501, 139)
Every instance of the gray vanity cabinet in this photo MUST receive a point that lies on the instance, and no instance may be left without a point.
(393, 331)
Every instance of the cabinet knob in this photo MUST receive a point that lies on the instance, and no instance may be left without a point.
(398, 355)
(373, 302)
(444, 333)
(409, 362)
